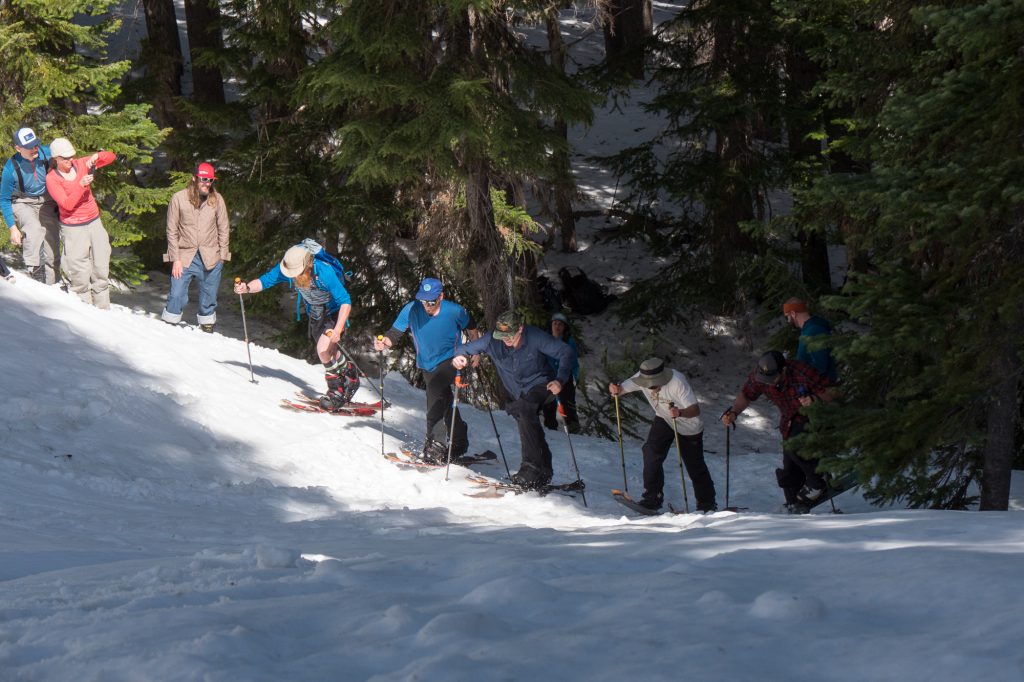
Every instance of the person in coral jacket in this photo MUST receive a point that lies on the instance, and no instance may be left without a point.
(86, 242)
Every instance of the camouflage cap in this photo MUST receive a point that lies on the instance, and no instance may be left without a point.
(508, 324)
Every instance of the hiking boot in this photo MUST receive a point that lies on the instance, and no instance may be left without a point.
(708, 509)
(797, 508)
(434, 452)
(208, 328)
(652, 502)
(530, 479)
(332, 400)
(809, 495)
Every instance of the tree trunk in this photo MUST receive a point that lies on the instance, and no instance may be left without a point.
(484, 247)
(803, 74)
(1002, 415)
(563, 185)
(627, 25)
(203, 20)
(161, 53)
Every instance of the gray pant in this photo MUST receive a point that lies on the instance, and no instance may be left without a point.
(87, 261)
(37, 219)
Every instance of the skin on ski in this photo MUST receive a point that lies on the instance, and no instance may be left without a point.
(343, 412)
(625, 500)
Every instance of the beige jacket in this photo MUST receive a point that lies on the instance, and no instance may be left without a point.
(204, 229)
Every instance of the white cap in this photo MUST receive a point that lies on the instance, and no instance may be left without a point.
(62, 147)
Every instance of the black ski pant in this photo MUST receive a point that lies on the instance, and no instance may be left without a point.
(568, 399)
(796, 471)
(536, 455)
(439, 407)
(659, 440)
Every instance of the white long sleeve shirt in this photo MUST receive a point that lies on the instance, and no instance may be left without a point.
(678, 392)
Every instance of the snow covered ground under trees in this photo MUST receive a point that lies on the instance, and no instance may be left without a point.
(161, 518)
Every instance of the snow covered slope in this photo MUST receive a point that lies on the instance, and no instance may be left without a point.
(161, 518)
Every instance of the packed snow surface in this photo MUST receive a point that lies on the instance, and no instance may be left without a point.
(162, 518)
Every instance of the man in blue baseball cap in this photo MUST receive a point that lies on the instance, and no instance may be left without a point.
(437, 326)
(30, 213)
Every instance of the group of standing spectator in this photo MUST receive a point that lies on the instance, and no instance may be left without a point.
(47, 201)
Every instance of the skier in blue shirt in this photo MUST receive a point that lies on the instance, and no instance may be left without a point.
(436, 325)
(30, 213)
(520, 353)
(328, 305)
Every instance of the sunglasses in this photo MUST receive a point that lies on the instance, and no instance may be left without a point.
(430, 304)
(205, 181)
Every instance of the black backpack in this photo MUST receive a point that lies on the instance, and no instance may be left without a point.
(582, 295)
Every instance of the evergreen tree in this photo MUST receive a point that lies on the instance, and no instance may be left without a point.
(715, 160)
(441, 100)
(934, 382)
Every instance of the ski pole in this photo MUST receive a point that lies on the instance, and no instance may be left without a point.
(383, 370)
(728, 449)
(622, 452)
(455, 415)
(572, 453)
(245, 331)
(497, 436)
(679, 452)
(352, 359)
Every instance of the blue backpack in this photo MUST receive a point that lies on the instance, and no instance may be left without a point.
(321, 254)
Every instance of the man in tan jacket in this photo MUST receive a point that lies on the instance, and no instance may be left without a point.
(197, 246)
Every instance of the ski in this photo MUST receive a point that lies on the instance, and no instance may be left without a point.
(350, 410)
(625, 500)
(498, 488)
(410, 459)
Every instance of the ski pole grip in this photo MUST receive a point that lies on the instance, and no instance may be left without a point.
(458, 378)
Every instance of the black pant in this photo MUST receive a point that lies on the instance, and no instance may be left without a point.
(796, 471)
(439, 406)
(536, 454)
(662, 437)
(568, 399)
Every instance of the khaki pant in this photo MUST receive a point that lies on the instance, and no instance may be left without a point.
(87, 261)
(37, 219)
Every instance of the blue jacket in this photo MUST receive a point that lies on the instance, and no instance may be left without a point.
(571, 342)
(820, 359)
(435, 336)
(34, 174)
(324, 279)
(523, 368)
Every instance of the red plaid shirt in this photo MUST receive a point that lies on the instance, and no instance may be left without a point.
(799, 379)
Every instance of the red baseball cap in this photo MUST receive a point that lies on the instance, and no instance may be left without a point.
(205, 170)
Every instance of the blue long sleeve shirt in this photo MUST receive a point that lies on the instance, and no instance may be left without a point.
(524, 367)
(324, 279)
(435, 336)
(34, 174)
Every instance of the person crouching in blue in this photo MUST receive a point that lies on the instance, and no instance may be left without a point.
(436, 325)
(520, 353)
(328, 306)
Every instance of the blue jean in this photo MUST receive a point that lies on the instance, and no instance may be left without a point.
(209, 282)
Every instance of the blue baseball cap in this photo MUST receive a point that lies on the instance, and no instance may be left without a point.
(26, 138)
(429, 290)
